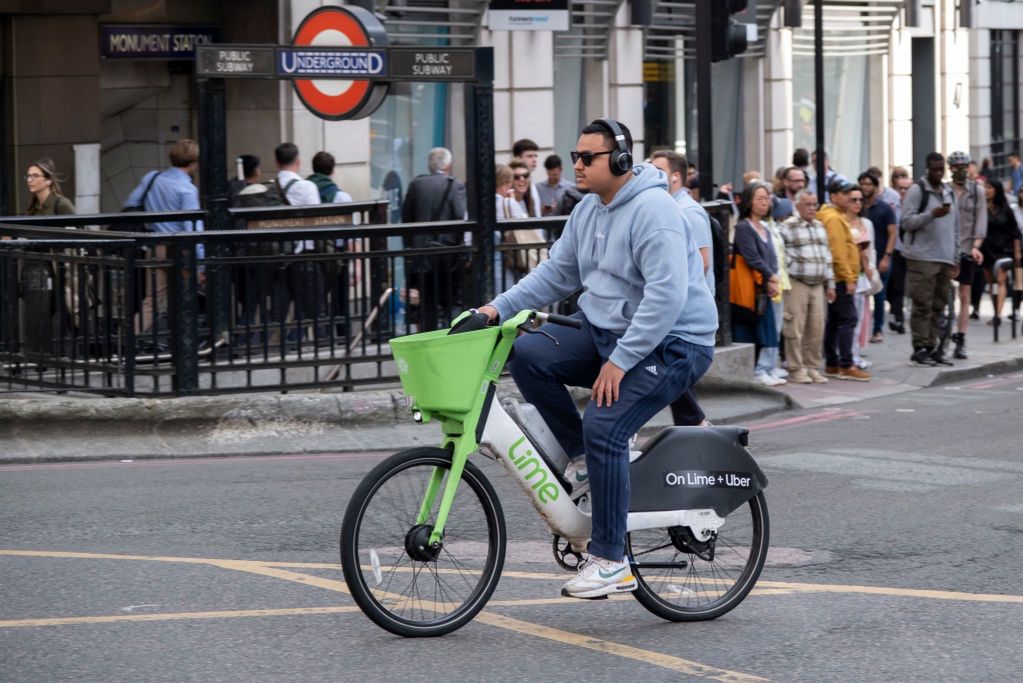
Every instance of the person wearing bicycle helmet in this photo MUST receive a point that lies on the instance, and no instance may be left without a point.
(972, 231)
(648, 326)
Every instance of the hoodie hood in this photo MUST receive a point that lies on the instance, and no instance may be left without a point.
(644, 177)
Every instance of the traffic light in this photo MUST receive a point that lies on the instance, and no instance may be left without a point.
(728, 37)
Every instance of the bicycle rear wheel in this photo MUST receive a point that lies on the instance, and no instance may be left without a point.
(688, 580)
(399, 581)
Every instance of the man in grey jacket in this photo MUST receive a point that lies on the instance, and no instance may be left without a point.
(930, 244)
(648, 331)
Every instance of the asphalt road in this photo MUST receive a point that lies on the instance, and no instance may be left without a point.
(897, 554)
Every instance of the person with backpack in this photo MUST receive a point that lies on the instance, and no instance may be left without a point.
(930, 244)
(972, 230)
(323, 170)
(304, 280)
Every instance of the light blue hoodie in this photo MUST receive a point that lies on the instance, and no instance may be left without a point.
(640, 266)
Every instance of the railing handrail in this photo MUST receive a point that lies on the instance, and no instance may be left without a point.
(341, 231)
(128, 217)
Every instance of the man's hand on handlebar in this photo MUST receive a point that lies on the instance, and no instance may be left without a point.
(489, 310)
(605, 389)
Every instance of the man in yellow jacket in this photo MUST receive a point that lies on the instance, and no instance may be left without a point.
(842, 318)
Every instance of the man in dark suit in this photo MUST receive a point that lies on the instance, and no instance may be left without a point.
(435, 196)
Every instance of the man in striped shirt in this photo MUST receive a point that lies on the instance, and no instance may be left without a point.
(809, 265)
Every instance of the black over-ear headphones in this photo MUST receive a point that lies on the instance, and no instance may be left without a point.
(621, 158)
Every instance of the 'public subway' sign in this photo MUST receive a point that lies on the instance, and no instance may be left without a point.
(153, 41)
(336, 81)
(384, 64)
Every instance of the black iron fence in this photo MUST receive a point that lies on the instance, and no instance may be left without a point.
(296, 298)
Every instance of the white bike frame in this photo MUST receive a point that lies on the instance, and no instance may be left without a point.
(508, 444)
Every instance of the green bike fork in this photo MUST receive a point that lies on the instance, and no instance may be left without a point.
(460, 434)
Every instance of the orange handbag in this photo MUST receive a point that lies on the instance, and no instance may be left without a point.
(743, 286)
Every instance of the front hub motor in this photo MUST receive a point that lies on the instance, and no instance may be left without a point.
(417, 543)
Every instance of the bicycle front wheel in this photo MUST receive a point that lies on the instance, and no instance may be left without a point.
(681, 578)
(400, 582)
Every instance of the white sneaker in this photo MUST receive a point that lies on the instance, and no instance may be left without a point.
(767, 380)
(780, 373)
(599, 577)
(577, 477)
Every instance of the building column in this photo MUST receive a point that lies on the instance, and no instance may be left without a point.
(900, 95)
(625, 85)
(953, 89)
(523, 91)
(980, 94)
(87, 177)
(778, 118)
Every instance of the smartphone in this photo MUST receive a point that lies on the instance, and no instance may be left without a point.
(946, 205)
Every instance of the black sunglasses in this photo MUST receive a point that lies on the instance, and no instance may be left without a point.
(587, 157)
(521, 176)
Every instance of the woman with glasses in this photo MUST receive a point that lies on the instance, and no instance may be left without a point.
(44, 184)
(862, 229)
(755, 244)
(522, 187)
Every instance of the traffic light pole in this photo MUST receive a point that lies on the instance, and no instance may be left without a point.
(818, 75)
(704, 118)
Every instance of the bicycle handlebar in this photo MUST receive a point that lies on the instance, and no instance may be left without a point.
(559, 320)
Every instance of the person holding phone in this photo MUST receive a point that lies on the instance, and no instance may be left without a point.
(930, 245)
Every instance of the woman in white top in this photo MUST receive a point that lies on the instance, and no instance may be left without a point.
(507, 209)
(862, 230)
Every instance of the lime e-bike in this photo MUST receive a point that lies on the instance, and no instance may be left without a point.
(423, 538)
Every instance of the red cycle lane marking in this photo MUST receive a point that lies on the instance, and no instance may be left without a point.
(814, 418)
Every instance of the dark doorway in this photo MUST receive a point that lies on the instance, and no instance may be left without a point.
(924, 126)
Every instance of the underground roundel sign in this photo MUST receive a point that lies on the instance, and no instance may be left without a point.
(348, 26)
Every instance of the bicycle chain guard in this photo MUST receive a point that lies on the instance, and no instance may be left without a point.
(567, 559)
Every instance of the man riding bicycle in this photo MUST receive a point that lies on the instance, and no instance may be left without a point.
(648, 331)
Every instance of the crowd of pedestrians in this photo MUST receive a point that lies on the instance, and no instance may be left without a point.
(868, 246)
(810, 286)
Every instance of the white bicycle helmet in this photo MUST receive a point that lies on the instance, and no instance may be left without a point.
(959, 159)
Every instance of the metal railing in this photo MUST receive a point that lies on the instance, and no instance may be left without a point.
(276, 306)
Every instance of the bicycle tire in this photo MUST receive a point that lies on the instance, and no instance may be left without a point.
(379, 602)
(652, 596)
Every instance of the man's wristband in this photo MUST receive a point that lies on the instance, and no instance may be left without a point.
(889, 254)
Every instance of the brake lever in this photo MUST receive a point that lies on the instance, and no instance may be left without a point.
(525, 328)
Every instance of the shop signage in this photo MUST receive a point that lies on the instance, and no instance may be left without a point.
(153, 41)
(529, 15)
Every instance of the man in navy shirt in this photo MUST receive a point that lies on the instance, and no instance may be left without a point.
(885, 232)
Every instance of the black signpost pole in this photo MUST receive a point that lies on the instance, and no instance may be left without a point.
(213, 183)
(704, 101)
(482, 185)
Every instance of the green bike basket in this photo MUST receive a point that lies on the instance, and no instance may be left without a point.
(443, 373)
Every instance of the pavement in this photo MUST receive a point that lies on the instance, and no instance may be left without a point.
(894, 375)
(58, 428)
